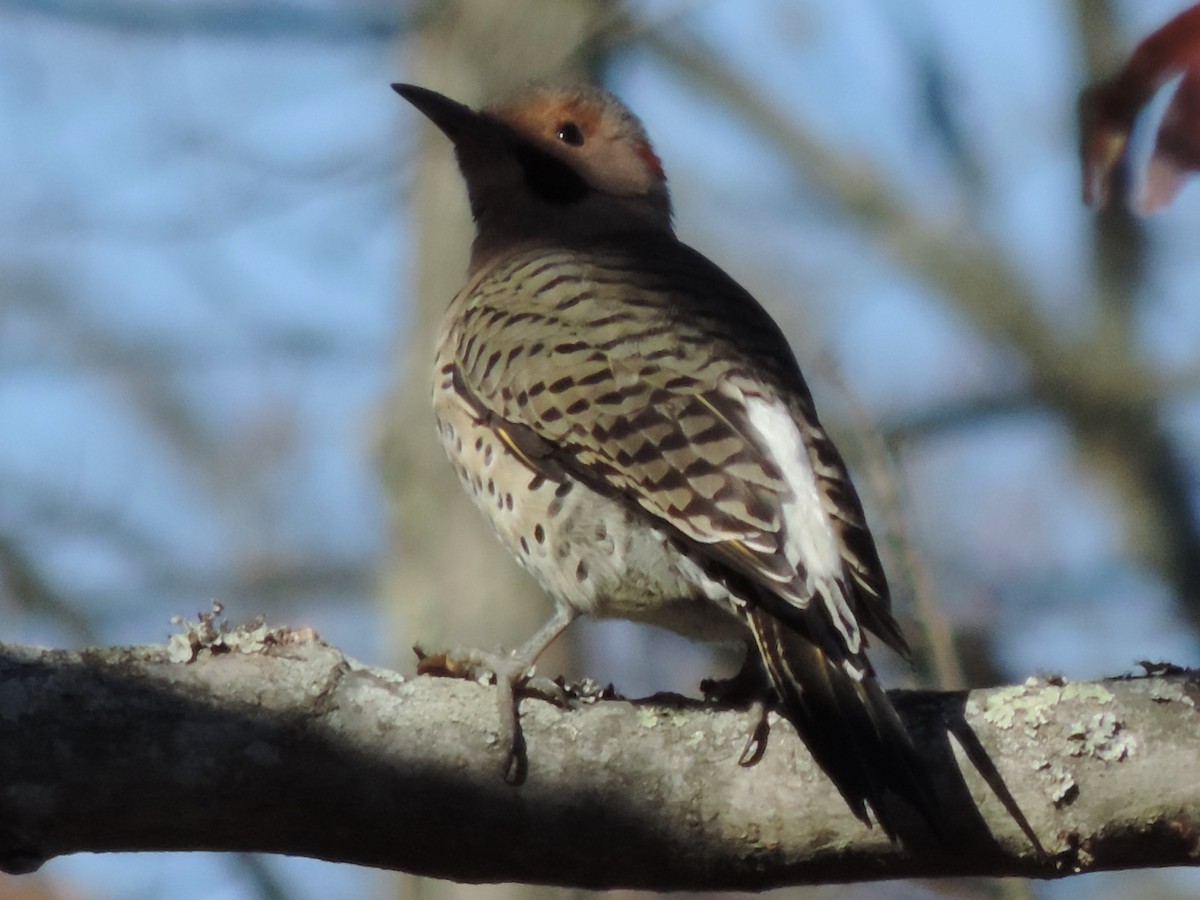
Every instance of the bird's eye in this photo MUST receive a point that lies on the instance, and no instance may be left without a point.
(569, 133)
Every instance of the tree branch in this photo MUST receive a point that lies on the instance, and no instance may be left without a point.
(271, 741)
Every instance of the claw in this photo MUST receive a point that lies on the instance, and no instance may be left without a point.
(756, 742)
(510, 674)
(509, 734)
(512, 671)
(546, 689)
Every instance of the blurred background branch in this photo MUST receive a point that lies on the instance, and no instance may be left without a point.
(224, 245)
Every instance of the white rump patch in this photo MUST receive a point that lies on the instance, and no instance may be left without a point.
(810, 538)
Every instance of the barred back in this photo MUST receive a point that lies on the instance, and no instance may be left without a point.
(639, 365)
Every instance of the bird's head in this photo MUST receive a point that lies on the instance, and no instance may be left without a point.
(552, 162)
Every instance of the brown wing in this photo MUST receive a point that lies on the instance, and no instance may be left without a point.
(636, 367)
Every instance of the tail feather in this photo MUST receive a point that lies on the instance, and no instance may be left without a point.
(845, 719)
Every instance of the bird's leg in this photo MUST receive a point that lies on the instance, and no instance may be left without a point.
(512, 670)
(515, 671)
(749, 686)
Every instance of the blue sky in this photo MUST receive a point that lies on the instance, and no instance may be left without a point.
(205, 260)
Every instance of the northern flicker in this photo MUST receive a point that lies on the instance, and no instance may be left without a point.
(636, 429)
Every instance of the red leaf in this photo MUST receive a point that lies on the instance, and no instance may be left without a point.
(1109, 111)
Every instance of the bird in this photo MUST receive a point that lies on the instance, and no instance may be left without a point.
(635, 427)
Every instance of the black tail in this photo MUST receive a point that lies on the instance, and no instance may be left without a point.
(846, 721)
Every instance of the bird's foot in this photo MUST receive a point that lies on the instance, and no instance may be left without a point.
(481, 665)
(513, 676)
(512, 671)
(747, 688)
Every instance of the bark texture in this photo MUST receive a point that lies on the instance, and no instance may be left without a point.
(260, 740)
